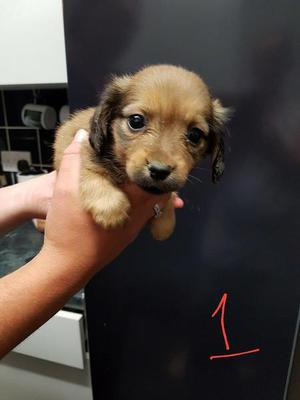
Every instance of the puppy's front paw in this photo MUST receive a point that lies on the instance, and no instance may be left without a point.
(162, 228)
(111, 211)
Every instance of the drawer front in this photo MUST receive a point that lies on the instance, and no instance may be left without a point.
(60, 340)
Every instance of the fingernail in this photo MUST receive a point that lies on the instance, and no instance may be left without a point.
(81, 135)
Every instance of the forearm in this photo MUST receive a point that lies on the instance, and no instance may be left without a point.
(75, 248)
(25, 200)
(33, 294)
(13, 209)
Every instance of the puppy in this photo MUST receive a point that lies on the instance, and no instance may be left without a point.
(150, 128)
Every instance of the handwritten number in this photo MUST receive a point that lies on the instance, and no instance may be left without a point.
(221, 306)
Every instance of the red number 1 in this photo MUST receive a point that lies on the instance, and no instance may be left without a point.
(221, 306)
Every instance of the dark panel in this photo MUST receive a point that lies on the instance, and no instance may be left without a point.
(149, 314)
(47, 140)
(3, 141)
(25, 140)
(293, 392)
(3, 144)
(55, 98)
(1, 110)
(15, 100)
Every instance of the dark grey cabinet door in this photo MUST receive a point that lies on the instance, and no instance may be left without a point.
(149, 314)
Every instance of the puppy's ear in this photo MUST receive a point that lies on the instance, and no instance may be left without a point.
(110, 105)
(220, 115)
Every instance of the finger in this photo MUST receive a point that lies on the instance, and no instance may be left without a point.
(69, 170)
(143, 213)
(137, 195)
(142, 203)
(51, 175)
(74, 147)
(178, 202)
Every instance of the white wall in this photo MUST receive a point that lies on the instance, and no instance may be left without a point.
(32, 45)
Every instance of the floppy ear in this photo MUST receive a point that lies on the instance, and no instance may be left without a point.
(110, 105)
(220, 115)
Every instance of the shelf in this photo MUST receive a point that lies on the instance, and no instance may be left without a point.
(20, 127)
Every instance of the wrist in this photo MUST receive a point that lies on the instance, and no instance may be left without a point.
(20, 198)
(26, 200)
(38, 195)
(66, 265)
(20, 201)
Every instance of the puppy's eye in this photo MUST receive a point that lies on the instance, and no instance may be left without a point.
(136, 122)
(194, 135)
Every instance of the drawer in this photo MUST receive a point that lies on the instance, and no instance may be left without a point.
(60, 340)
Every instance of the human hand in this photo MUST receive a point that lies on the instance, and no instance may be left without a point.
(26, 200)
(37, 194)
(72, 237)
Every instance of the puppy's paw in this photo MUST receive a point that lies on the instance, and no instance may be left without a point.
(39, 224)
(111, 211)
(162, 229)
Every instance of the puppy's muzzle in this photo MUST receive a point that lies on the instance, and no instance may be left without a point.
(159, 171)
(156, 177)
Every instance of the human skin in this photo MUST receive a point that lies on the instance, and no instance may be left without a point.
(25, 200)
(74, 249)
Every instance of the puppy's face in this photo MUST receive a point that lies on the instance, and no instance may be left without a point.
(159, 123)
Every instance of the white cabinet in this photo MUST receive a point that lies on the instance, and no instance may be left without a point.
(50, 364)
(32, 44)
(60, 340)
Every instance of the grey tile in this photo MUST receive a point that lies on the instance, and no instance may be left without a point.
(18, 247)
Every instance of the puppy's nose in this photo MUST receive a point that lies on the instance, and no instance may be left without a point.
(159, 171)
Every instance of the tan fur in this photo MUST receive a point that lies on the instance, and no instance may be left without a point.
(107, 203)
(39, 224)
(66, 132)
(172, 99)
(162, 227)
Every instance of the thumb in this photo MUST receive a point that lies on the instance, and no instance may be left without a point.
(74, 147)
(69, 169)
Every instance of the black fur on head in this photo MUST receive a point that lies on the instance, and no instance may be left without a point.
(220, 115)
(101, 138)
